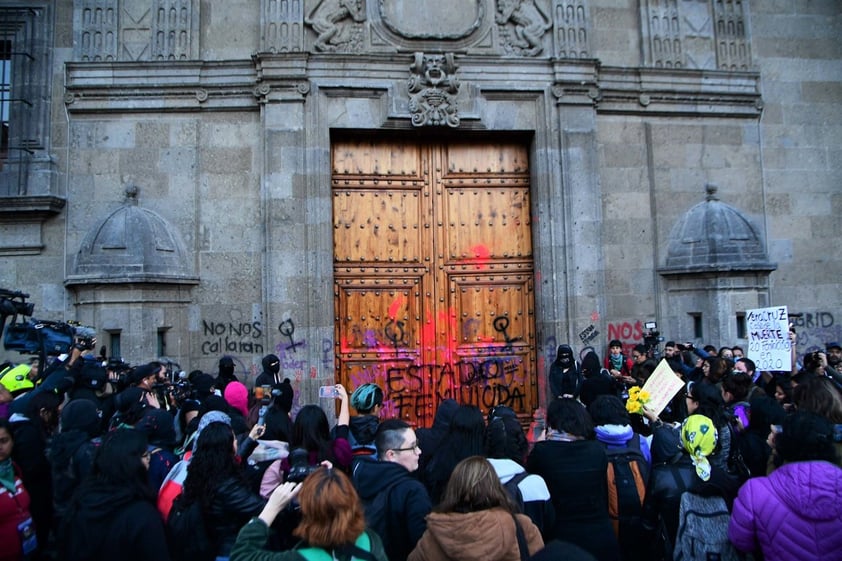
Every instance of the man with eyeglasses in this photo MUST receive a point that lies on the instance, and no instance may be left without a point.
(396, 503)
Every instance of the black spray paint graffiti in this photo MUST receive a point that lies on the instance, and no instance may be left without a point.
(287, 329)
(495, 381)
(231, 338)
(501, 325)
(394, 332)
(588, 334)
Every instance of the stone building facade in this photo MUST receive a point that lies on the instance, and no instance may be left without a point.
(199, 178)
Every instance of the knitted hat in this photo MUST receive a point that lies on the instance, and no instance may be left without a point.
(237, 396)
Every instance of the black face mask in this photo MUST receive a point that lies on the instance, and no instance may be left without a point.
(275, 367)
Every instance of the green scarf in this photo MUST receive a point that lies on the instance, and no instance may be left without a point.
(7, 475)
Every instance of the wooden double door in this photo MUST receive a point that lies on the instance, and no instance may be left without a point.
(433, 269)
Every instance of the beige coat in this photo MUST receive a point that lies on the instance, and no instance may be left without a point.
(485, 535)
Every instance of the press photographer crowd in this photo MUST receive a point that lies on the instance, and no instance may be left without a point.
(103, 460)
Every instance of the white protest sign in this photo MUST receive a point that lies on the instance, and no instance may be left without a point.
(662, 386)
(768, 338)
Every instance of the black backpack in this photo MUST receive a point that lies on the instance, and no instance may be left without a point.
(187, 534)
(513, 490)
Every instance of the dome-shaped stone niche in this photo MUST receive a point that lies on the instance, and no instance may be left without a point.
(132, 245)
(715, 237)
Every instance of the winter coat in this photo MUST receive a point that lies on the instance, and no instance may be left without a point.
(254, 535)
(575, 474)
(108, 522)
(485, 535)
(794, 513)
(409, 503)
(596, 385)
(232, 506)
(14, 509)
(363, 429)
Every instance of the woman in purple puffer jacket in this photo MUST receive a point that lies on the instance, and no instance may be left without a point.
(796, 511)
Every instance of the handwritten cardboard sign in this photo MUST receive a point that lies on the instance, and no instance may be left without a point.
(768, 338)
(662, 386)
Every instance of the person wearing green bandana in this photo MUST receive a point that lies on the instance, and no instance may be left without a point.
(17, 533)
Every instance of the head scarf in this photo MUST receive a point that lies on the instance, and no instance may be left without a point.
(698, 438)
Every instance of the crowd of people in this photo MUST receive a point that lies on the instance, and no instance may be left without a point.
(99, 461)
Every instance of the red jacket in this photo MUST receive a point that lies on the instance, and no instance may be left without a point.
(627, 364)
(14, 509)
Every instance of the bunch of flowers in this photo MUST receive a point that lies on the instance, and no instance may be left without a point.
(637, 399)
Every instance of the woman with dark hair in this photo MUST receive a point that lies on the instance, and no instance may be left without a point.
(714, 368)
(14, 502)
(780, 387)
(429, 439)
(311, 433)
(796, 511)
(31, 432)
(112, 514)
(574, 465)
(465, 438)
(765, 411)
(215, 480)
(476, 520)
(332, 523)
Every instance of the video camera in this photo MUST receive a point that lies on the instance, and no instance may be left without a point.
(34, 336)
(177, 384)
(652, 339)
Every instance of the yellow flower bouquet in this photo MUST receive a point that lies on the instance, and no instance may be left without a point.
(637, 399)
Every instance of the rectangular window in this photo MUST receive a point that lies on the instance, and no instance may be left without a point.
(5, 96)
(741, 325)
(25, 73)
(114, 350)
(698, 331)
(162, 341)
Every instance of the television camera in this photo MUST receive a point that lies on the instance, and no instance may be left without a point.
(652, 339)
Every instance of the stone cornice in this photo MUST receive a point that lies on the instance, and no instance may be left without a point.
(267, 78)
(655, 91)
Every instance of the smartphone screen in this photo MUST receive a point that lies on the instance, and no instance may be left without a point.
(741, 412)
(327, 391)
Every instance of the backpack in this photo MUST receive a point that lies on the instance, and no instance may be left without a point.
(703, 530)
(187, 535)
(360, 550)
(628, 476)
(378, 511)
(514, 491)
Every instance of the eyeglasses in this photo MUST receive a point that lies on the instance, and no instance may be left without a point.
(413, 447)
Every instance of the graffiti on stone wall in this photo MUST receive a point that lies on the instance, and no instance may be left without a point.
(815, 330)
(229, 338)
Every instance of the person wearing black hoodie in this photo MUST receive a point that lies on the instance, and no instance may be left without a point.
(72, 452)
(597, 380)
(403, 520)
(113, 514)
(565, 376)
(271, 372)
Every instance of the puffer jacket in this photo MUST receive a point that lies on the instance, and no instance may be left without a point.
(485, 535)
(794, 513)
